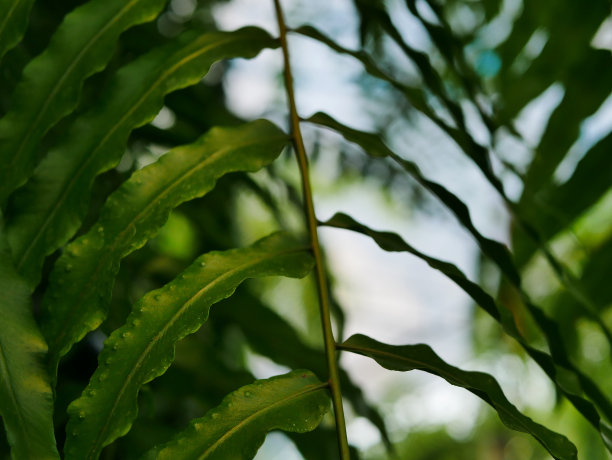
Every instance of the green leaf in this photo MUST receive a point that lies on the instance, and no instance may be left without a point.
(320, 444)
(51, 83)
(82, 280)
(422, 357)
(143, 348)
(587, 87)
(14, 19)
(272, 336)
(26, 398)
(374, 146)
(496, 251)
(294, 402)
(558, 366)
(51, 207)
(557, 207)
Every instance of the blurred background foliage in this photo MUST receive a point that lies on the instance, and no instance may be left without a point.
(531, 81)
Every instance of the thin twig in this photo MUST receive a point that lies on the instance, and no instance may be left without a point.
(311, 221)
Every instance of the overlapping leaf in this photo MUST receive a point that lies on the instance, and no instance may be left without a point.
(52, 82)
(570, 381)
(26, 399)
(13, 21)
(373, 145)
(294, 402)
(143, 348)
(422, 357)
(557, 207)
(82, 280)
(265, 330)
(50, 208)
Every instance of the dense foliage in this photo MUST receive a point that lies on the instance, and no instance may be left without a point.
(119, 232)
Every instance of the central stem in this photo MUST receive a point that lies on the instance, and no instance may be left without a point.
(311, 220)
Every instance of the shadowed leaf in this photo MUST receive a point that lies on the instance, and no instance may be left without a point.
(83, 277)
(51, 83)
(143, 348)
(294, 402)
(50, 208)
(558, 366)
(422, 357)
(26, 399)
(13, 22)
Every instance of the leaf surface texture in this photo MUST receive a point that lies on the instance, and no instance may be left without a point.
(26, 399)
(294, 402)
(143, 348)
(82, 280)
(50, 208)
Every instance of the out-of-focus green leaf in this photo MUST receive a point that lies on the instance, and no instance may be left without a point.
(48, 211)
(13, 21)
(143, 348)
(26, 398)
(320, 444)
(586, 87)
(557, 207)
(294, 402)
(570, 381)
(82, 280)
(373, 145)
(52, 82)
(270, 335)
(422, 357)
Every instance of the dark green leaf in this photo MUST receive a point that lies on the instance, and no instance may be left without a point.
(558, 366)
(270, 335)
(26, 398)
(422, 357)
(373, 145)
(82, 280)
(52, 82)
(294, 402)
(143, 348)
(51, 207)
(13, 21)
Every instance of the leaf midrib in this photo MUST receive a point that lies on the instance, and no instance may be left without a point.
(175, 317)
(230, 432)
(119, 237)
(8, 15)
(66, 190)
(374, 352)
(63, 78)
